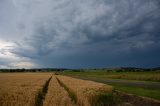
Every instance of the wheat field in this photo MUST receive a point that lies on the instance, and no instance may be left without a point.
(20, 89)
(57, 96)
(86, 93)
(46, 89)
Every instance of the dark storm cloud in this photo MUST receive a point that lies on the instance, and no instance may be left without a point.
(88, 33)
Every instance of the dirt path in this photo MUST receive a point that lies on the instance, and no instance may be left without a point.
(143, 84)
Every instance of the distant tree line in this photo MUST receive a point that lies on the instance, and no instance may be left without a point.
(121, 69)
(33, 70)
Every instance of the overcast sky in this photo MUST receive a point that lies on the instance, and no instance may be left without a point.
(79, 33)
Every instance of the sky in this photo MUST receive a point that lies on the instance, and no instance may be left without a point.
(79, 33)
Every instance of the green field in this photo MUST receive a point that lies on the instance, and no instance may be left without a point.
(140, 76)
(140, 83)
(152, 93)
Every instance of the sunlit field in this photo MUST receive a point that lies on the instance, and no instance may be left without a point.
(57, 95)
(48, 89)
(20, 89)
(53, 89)
(86, 93)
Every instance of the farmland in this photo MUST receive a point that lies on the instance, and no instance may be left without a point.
(57, 96)
(85, 93)
(47, 89)
(53, 89)
(20, 89)
(140, 76)
(140, 83)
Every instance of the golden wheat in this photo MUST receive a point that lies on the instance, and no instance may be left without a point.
(86, 91)
(57, 96)
(20, 89)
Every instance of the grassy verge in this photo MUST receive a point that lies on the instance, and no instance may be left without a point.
(151, 93)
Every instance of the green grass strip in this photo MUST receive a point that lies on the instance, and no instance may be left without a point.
(151, 93)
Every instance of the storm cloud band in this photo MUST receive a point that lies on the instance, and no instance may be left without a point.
(82, 33)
